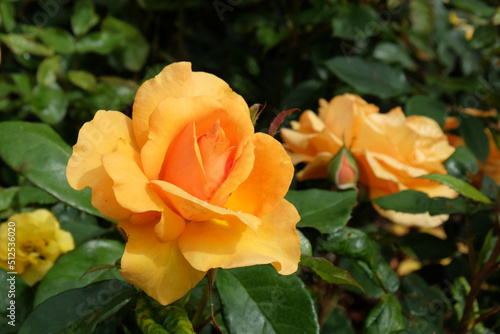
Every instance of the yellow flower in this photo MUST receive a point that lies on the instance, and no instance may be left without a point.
(190, 183)
(391, 150)
(38, 241)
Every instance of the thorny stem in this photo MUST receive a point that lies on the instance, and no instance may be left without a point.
(476, 282)
(198, 322)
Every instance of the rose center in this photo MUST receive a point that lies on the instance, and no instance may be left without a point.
(199, 164)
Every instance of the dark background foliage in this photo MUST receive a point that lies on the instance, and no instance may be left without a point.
(62, 60)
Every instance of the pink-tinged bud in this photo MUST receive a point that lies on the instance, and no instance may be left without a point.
(343, 170)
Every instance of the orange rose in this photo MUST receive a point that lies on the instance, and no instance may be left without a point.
(190, 183)
(391, 150)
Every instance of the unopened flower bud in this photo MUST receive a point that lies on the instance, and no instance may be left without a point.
(343, 170)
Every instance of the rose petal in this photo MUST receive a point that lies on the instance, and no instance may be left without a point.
(159, 269)
(172, 116)
(183, 166)
(194, 209)
(243, 164)
(408, 219)
(316, 169)
(276, 242)
(98, 137)
(269, 180)
(175, 80)
(130, 185)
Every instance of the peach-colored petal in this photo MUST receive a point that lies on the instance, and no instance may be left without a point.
(98, 137)
(409, 219)
(194, 209)
(176, 80)
(243, 165)
(172, 116)
(276, 242)
(316, 169)
(310, 123)
(183, 165)
(217, 157)
(130, 185)
(269, 180)
(158, 268)
(341, 114)
(170, 226)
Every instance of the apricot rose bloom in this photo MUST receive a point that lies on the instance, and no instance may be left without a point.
(190, 182)
(38, 241)
(391, 150)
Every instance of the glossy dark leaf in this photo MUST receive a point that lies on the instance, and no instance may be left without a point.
(412, 201)
(78, 310)
(39, 154)
(327, 271)
(259, 300)
(323, 210)
(372, 78)
(68, 272)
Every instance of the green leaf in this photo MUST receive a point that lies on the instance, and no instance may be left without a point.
(8, 15)
(82, 226)
(58, 39)
(46, 74)
(101, 42)
(20, 44)
(49, 103)
(337, 322)
(412, 201)
(327, 271)
(67, 273)
(23, 300)
(259, 300)
(23, 84)
(83, 18)
(426, 106)
(484, 36)
(423, 301)
(461, 163)
(472, 131)
(386, 317)
(352, 23)
(83, 79)
(350, 242)
(33, 195)
(323, 210)
(364, 275)
(305, 245)
(135, 47)
(7, 197)
(154, 318)
(78, 310)
(39, 154)
(463, 188)
(394, 54)
(422, 16)
(373, 78)
(477, 7)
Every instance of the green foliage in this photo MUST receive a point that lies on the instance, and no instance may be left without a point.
(79, 310)
(258, 300)
(324, 210)
(62, 61)
(70, 270)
